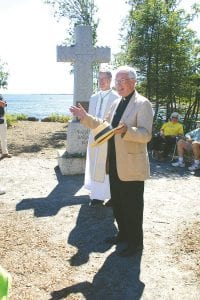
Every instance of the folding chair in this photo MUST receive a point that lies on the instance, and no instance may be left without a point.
(158, 154)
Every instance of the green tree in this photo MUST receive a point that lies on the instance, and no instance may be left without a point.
(159, 44)
(3, 75)
(77, 12)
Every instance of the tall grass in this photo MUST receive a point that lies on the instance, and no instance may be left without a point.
(57, 118)
(14, 118)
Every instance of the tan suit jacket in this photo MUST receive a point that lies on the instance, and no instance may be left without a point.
(131, 149)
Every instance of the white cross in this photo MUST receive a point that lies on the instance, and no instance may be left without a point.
(83, 55)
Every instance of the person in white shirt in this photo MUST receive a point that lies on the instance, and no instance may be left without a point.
(99, 105)
(191, 143)
(3, 130)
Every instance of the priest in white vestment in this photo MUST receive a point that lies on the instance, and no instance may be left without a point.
(96, 180)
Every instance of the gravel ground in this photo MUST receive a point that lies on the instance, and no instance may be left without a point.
(52, 242)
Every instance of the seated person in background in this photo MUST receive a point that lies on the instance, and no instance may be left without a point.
(191, 143)
(168, 135)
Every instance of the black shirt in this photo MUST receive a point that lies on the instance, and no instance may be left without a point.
(115, 122)
(2, 111)
(120, 110)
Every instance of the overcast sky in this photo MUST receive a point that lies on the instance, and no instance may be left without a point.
(29, 35)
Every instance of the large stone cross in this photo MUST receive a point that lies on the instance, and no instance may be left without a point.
(82, 54)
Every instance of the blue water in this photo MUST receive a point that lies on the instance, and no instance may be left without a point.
(38, 105)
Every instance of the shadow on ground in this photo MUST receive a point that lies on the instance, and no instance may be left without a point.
(62, 195)
(166, 170)
(118, 278)
(55, 140)
(93, 226)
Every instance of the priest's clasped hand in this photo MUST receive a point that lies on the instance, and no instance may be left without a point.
(121, 129)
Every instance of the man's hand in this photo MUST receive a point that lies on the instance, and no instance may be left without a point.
(121, 129)
(162, 133)
(78, 111)
(2, 103)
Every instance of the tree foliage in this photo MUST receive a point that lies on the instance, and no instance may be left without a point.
(77, 12)
(3, 75)
(158, 42)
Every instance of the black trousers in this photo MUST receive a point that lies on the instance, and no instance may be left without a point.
(128, 205)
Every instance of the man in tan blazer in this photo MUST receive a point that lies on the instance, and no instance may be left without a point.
(127, 158)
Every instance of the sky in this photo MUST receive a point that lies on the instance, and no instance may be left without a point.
(30, 33)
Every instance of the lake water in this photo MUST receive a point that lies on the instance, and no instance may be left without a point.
(38, 105)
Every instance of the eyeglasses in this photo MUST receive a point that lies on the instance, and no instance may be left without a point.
(103, 78)
(122, 81)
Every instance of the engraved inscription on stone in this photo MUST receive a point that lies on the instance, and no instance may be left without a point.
(82, 136)
(78, 137)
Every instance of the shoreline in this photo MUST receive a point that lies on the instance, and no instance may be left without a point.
(4, 93)
(38, 105)
(13, 119)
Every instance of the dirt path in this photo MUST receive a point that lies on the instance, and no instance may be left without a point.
(36, 139)
(52, 242)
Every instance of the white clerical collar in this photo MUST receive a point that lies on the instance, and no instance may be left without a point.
(103, 93)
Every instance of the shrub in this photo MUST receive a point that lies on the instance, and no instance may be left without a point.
(12, 119)
(57, 118)
(21, 117)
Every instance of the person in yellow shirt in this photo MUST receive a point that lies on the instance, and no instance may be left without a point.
(168, 135)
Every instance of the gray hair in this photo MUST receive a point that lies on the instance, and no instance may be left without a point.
(129, 70)
(175, 115)
(108, 73)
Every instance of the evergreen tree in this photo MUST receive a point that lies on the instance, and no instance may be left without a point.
(159, 44)
(77, 12)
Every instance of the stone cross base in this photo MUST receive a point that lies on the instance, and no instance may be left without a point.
(70, 165)
(72, 160)
(77, 138)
